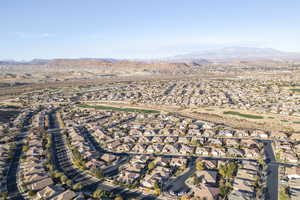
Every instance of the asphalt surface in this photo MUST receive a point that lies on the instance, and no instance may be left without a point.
(12, 187)
(272, 172)
(11, 181)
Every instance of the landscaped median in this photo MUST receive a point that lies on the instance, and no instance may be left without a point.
(101, 107)
(243, 115)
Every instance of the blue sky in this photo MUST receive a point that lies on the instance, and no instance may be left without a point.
(143, 28)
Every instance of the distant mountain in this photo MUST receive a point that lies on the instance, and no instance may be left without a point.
(226, 54)
(113, 60)
(8, 62)
(59, 60)
(239, 53)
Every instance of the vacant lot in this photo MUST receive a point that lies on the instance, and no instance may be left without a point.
(243, 115)
(99, 107)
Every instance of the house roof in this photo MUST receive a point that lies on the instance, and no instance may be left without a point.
(203, 191)
(49, 191)
(292, 170)
(66, 195)
(208, 175)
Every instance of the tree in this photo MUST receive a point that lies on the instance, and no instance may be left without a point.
(156, 185)
(283, 194)
(31, 193)
(12, 145)
(261, 163)
(69, 182)
(57, 174)
(289, 132)
(224, 190)
(151, 165)
(199, 165)
(185, 198)
(99, 194)
(4, 195)
(63, 179)
(194, 142)
(197, 180)
(98, 173)
(49, 166)
(77, 186)
(25, 148)
(119, 197)
(5, 131)
(227, 171)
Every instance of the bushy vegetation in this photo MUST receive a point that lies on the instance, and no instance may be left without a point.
(78, 159)
(283, 194)
(243, 115)
(284, 120)
(77, 187)
(98, 173)
(199, 165)
(117, 109)
(98, 194)
(227, 172)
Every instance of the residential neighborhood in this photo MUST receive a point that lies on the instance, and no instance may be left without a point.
(103, 142)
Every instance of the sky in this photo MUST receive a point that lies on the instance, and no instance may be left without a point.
(143, 28)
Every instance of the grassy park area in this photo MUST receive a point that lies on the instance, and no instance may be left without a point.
(100, 107)
(243, 115)
(295, 90)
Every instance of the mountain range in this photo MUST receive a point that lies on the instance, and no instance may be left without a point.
(226, 54)
(239, 53)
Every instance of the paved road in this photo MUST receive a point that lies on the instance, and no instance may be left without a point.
(272, 169)
(12, 187)
(178, 185)
(11, 181)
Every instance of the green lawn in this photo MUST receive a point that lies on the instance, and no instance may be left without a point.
(296, 122)
(295, 90)
(243, 115)
(98, 107)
